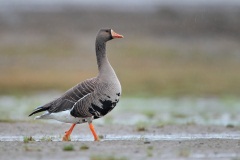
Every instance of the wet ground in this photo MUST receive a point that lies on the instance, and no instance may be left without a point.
(118, 142)
(156, 128)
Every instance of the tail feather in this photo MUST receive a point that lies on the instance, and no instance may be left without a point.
(44, 116)
(39, 109)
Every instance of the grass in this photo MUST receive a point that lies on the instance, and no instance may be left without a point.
(46, 139)
(100, 157)
(84, 147)
(101, 137)
(7, 121)
(230, 126)
(28, 139)
(150, 151)
(175, 69)
(68, 147)
(179, 115)
(141, 126)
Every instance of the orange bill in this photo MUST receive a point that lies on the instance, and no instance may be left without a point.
(116, 35)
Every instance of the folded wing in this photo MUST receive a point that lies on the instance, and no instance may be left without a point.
(69, 98)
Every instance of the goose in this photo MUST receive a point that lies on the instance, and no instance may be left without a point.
(90, 99)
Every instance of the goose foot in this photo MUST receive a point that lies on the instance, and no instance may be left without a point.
(66, 137)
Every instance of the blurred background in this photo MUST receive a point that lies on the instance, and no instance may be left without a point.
(178, 62)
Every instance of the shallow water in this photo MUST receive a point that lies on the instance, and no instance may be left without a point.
(157, 111)
(146, 137)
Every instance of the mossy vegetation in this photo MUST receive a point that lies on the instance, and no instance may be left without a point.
(68, 147)
(46, 139)
(107, 157)
(27, 139)
(7, 121)
(150, 151)
(84, 147)
(141, 126)
(101, 137)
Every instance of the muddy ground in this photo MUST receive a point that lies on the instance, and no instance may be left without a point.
(119, 142)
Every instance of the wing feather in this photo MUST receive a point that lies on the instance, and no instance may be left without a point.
(69, 98)
(73, 95)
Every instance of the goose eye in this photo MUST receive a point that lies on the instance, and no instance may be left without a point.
(107, 31)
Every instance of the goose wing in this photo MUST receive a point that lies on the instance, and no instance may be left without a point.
(69, 98)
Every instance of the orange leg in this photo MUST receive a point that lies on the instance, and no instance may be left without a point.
(93, 132)
(66, 137)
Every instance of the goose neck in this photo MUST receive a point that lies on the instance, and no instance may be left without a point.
(101, 53)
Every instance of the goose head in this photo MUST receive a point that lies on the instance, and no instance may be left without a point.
(107, 34)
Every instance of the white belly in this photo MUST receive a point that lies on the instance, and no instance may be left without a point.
(64, 116)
